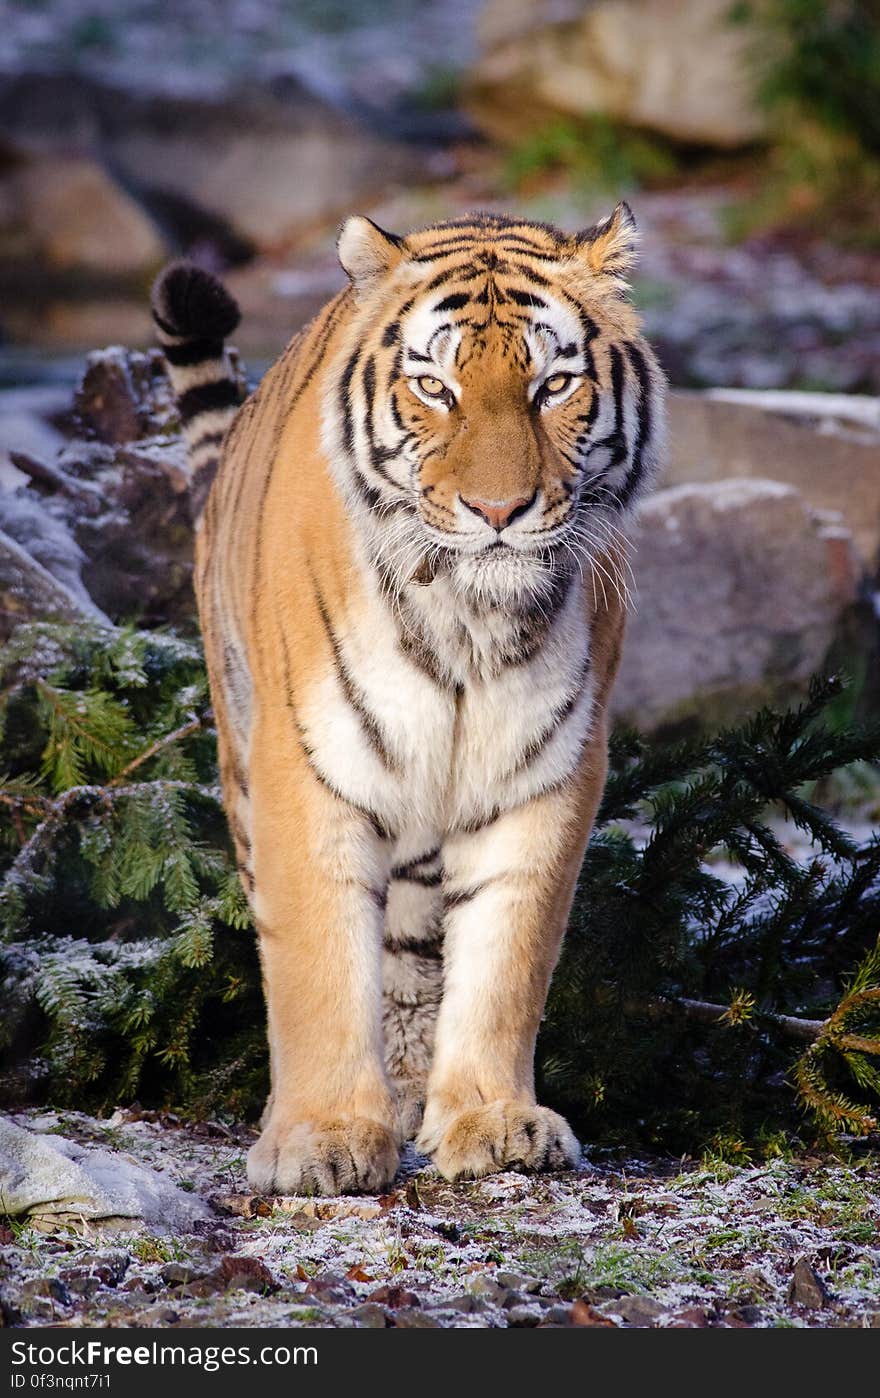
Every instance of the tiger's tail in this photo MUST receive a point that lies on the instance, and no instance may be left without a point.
(194, 313)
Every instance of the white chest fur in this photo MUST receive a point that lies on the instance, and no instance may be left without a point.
(441, 757)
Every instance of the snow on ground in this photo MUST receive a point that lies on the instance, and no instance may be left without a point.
(625, 1243)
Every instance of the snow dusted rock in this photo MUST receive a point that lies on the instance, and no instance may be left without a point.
(827, 445)
(52, 1181)
(741, 590)
(29, 592)
(116, 501)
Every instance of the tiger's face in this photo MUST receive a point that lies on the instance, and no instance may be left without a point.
(498, 410)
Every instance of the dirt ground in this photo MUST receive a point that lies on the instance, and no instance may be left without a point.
(638, 1242)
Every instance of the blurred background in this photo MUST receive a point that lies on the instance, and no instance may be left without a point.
(240, 131)
(746, 136)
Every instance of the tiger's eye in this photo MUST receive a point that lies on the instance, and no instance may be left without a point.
(434, 388)
(557, 382)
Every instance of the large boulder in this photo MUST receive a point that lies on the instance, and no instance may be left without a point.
(256, 167)
(106, 528)
(63, 214)
(826, 445)
(678, 67)
(742, 590)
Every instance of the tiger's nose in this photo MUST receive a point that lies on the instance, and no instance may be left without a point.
(500, 513)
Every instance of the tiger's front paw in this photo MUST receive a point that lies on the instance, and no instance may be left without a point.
(338, 1157)
(504, 1136)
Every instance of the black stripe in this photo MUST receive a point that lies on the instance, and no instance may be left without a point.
(402, 871)
(637, 470)
(459, 897)
(431, 949)
(425, 880)
(379, 897)
(345, 401)
(208, 439)
(557, 719)
(526, 298)
(379, 826)
(193, 352)
(207, 398)
(453, 302)
(369, 724)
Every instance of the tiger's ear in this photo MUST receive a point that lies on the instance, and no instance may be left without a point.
(366, 251)
(609, 247)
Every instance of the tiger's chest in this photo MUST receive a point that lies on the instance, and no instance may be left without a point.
(435, 728)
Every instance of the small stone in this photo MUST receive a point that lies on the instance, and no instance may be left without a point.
(178, 1273)
(368, 1316)
(638, 1310)
(110, 1267)
(164, 1316)
(749, 1315)
(515, 1282)
(410, 1318)
(807, 1287)
(467, 1303)
(245, 1274)
(557, 1314)
(394, 1296)
(80, 1282)
(486, 1286)
(524, 1317)
(200, 1288)
(51, 1287)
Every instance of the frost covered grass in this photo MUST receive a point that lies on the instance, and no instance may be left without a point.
(636, 1241)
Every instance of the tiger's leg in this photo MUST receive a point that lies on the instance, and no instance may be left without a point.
(320, 870)
(412, 974)
(508, 893)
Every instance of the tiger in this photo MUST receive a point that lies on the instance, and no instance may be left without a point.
(412, 570)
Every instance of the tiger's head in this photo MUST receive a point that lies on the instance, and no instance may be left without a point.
(496, 410)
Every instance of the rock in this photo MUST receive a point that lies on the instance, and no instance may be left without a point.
(516, 1282)
(113, 510)
(29, 592)
(54, 1182)
(51, 1287)
(825, 451)
(740, 596)
(124, 396)
(395, 1297)
(368, 1316)
(557, 1314)
(63, 214)
(524, 1317)
(245, 168)
(465, 1302)
(632, 60)
(244, 1274)
(807, 1287)
(640, 1311)
(488, 1288)
(49, 542)
(330, 1287)
(81, 1283)
(409, 1318)
(178, 1273)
